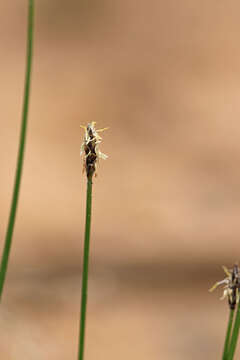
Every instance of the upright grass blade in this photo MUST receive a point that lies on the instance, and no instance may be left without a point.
(228, 335)
(85, 270)
(235, 334)
(18, 175)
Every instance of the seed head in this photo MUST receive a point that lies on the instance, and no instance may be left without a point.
(90, 149)
(231, 286)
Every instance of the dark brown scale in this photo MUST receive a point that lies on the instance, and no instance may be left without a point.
(235, 284)
(91, 156)
(232, 302)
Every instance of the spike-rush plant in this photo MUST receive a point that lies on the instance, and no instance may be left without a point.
(232, 293)
(19, 167)
(91, 155)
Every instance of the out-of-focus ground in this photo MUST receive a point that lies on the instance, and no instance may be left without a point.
(165, 76)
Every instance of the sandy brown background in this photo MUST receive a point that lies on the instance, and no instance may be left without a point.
(165, 76)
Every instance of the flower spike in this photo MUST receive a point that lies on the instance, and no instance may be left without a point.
(232, 286)
(90, 148)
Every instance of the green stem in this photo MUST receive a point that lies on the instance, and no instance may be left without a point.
(235, 333)
(85, 270)
(228, 335)
(18, 175)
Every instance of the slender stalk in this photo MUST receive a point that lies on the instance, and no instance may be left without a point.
(85, 270)
(228, 335)
(235, 334)
(19, 167)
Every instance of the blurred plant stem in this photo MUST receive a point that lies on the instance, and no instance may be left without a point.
(235, 334)
(19, 167)
(228, 335)
(85, 270)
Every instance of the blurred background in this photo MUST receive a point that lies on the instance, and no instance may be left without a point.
(164, 76)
